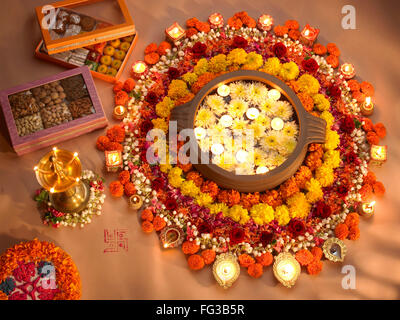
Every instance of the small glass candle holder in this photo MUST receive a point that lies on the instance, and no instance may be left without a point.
(367, 209)
(309, 35)
(175, 32)
(265, 22)
(347, 70)
(216, 20)
(139, 69)
(113, 160)
(378, 155)
(119, 112)
(367, 107)
(135, 202)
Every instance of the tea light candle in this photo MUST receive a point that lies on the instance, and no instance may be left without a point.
(175, 32)
(309, 35)
(286, 269)
(252, 113)
(378, 154)
(216, 20)
(367, 107)
(113, 160)
(241, 156)
(139, 68)
(265, 22)
(261, 170)
(135, 202)
(119, 112)
(224, 90)
(367, 209)
(217, 148)
(347, 70)
(199, 132)
(226, 269)
(277, 124)
(225, 121)
(274, 94)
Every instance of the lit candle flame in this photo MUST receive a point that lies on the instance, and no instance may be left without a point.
(139, 67)
(368, 101)
(52, 190)
(307, 32)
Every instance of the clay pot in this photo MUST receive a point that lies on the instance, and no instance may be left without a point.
(311, 130)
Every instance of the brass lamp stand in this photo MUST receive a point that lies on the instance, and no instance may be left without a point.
(59, 172)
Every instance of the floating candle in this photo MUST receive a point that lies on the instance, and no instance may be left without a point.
(199, 132)
(241, 156)
(274, 94)
(225, 121)
(277, 124)
(252, 113)
(224, 90)
(217, 148)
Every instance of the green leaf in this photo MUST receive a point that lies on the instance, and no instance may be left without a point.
(357, 123)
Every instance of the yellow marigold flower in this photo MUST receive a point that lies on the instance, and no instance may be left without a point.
(218, 63)
(177, 89)
(308, 84)
(160, 123)
(163, 108)
(324, 174)
(314, 190)
(204, 199)
(299, 207)
(289, 71)
(189, 188)
(238, 213)
(262, 213)
(190, 78)
(332, 140)
(201, 67)
(175, 177)
(216, 208)
(272, 66)
(320, 102)
(332, 158)
(328, 117)
(237, 56)
(254, 61)
(282, 215)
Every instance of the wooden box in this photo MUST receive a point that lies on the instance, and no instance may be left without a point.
(47, 111)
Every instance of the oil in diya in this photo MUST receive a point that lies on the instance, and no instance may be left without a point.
(135, 202)
(367, 209)
(172, 237)
(226, 269)
(119, 112)
(286, 269)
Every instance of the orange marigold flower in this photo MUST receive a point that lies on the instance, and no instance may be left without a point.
(306, 100)
(271, 197)
(292, 24)
(147, 215)
(367, 88)
(152, 47)
(302, 176)
(116, 134)
(315, 267)
(188, 97)
(185, 167)
(341, 231)
(366, 192)
(265, 259)
(191, 32)
(190, 247)
(317, 253)
(352, 219)
(130, 189)
(333, 61)
(255, 270)
(129, 84)
(195, 177)
(333, 49)
(121, 98)
(379, 189)
(101, 143)
(196, 262)
(245, 260)
(151, 58)
(354, 233)
(159, 223)
(147, 226)
(162, 48)
(294, 34)
(368, 125)
(229, 197)
(234, 22)
(118, 86)
(289, 188)
(114, 146)
(208, 256)
(319, 49)
(191, 23)
(124, 176)
(380, 130)
(248, 200)
(211, 188)
(358, 95)
(304, 257)
(353, 85)
(241, 14)
(3, 296)
(203, 26)
(372, 138)
(369, 178)
(249, 21)
(116, 189)
(281, 30)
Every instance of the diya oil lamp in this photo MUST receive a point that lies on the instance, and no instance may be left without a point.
(119, 112)
(171, 237)
(286, 269)
(175, 32)
(367, 209)
(139, 68)
(226, 269)
(265, 22)
(367, 107)
(113, 160)
(135, 202)
(378, 155)
(334, 249)
(309, 35)
(216, 20)
(59, 172)
(347, 70)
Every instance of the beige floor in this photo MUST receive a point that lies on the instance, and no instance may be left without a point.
(145, 271)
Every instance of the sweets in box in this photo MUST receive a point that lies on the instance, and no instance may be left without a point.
(51, 110)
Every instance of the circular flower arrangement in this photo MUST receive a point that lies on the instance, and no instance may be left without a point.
(319, 203)
(55, 218)
(38, 270)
